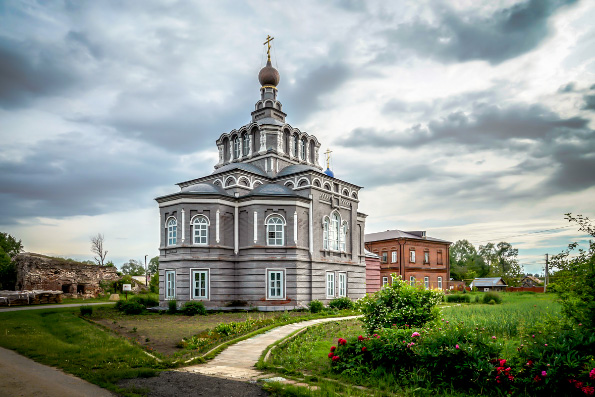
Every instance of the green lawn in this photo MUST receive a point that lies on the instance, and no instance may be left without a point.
(59, 338)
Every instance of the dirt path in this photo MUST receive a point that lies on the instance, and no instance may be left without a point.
(55, 306)
(24, 377)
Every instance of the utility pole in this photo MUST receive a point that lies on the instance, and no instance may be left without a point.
(546, 273)
(146, 272)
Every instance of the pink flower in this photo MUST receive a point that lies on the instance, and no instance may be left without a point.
(543, 373)
(493, 337)
(545, 344)
(592, 374)
(502, 362)
(457, 347)
(413, 335)
(360, 338)
(588, 390)
(529, 363)
(533, 336)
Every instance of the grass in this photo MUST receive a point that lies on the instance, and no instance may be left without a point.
(59, 338)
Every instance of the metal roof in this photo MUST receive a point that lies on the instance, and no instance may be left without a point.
(204, 188)
(295, 168)
(240, 166)
(369, 254)
(394, 234)
(272, 190)
(488, 282)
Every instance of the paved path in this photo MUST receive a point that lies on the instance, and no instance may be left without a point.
(55, 306)
(237, 361)
(24, 377)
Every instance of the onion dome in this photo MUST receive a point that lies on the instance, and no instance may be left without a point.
(329, 173)
(269, 75)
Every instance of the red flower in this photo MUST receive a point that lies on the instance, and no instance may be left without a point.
(360, 338)
(335, 358)
(578, 384)
(529, 363)
(330, 355)
(537, 378)
(342, 341)
(364, 349)
(333, 348)
(589, 390)
(502, 362)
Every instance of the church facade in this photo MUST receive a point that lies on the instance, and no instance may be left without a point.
(268, 228)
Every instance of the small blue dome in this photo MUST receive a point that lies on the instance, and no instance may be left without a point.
(329, 173)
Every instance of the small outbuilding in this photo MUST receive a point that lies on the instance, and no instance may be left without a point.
(489, 284)
(531, 281)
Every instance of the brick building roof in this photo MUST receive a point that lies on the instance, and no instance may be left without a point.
(394, 234)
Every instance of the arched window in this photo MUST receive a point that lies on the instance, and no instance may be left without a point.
(343, 237)
(172, 231)
(296, 144)
(236, 148)
(325, 232)
(246, 144)
(201, 230)
(303, 146)
(275, 235)
(334, 231)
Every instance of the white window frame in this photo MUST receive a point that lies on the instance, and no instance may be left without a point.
(326, 224)
(170, 284)
(200, 223)
(439, 282)
(330, 284)
(207, 274)
(172, 231)
(343, 236)
(281, 286)
(427, 282)
(302, 149)
(385, 281)
(384, 257)
(412, 280)
(245, 144)
(342, 285)
(277, 228)
(334, 231)
(237, 148)
(394, 257)
(412, 255)
(427, 257)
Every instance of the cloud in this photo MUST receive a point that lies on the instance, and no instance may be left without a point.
(570, 87)
(589, 102)
(461, 37)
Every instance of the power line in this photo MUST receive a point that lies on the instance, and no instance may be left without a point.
(524, 234)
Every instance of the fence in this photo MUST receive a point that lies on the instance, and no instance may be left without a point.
(525, 289)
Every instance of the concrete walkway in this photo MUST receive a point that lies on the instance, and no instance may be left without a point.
(54, 306)
(237, 361)
(24, 377)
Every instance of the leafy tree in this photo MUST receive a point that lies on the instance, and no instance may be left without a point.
(575, 272)
(110, 264)
(154, 283)
(10, 245)
(9, 248)
(465, 262)
(502, 261)
(154, 265)
(97, 249)
(133, 268)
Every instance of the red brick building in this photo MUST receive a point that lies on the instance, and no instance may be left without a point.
(413, 255)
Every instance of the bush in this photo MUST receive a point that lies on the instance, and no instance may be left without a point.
(492, 296)
(454, 298)
(477, 299)
(129, 307)
(316, 306)
(194, 308)
(341, 304)
(154, 283)
(399, 304)
(172, 307)
(145, 300)
(86, 310)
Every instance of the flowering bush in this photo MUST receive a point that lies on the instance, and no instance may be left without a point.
(399, 304)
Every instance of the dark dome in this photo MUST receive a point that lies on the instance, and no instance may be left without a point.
(272, 190)
(204, 188)
(329, 173)
(295, 168)
(240, 166)
(269, 75)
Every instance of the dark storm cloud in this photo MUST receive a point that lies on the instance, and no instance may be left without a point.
(570, 87)
(29, 70)
(459, 37)
(304, 97)
(75, 174)
(589, 102)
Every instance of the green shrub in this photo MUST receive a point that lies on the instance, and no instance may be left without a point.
(399, 304)
(316, 306)
(489, 296)
(172, 307)
(145, 300)
(86, 310)
(454, 298)
(477, 299)
(194, 308)
(341, 304)
(154, 283)
(129, 307)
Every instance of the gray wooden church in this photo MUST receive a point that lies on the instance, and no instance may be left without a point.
(268, 228)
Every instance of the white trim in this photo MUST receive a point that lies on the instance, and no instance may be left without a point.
(217, 227)
(236, 231)
(283, 226)
(284, 292)
(412, 280)
(295, 227)
(275, 214)
(439, 282)
(232, 203)
(255, 227)
(384, 281)
(206, 270)
(426, 282)
(167, 237)
(326, 284)
(183, 225)
(293, 185)
(344, 274)
(249, 185)
(310, 226)
(168, 218)
(303, 179)
(255, 182)
(166, 289)
(193, 228)
(393, 256)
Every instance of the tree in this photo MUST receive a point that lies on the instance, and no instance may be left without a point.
(9, 248)
(97, 249)
(133, 268)
(154, 265)
(502, 261)
(465, 262)
(574, 275)
(10, 245)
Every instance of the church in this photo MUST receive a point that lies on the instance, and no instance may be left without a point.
(268, 228)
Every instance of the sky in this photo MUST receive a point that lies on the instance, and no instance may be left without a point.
(468, 119)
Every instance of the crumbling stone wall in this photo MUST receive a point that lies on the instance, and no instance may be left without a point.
(38, 272)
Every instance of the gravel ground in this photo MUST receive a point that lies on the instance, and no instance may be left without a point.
(174, 383)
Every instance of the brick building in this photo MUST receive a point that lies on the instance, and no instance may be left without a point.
(413, 255)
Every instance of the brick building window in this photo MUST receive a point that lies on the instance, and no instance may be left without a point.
(427, 257)
(412, 255)
(394, 257)
(427, 282)
(439, 282)
(440, 257)
(412, 280)
(384, 281)
(384, 257)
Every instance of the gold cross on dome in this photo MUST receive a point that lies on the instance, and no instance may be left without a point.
(268, 43)
(328, 158)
